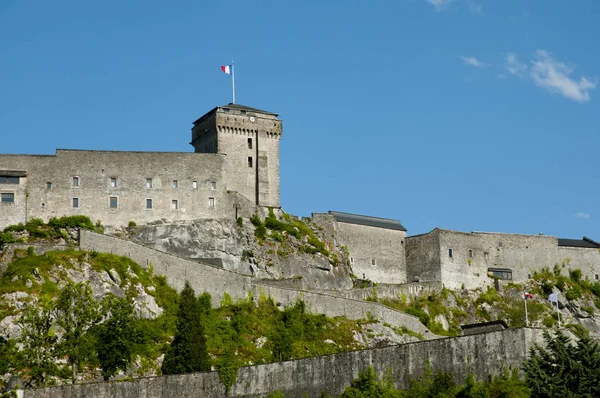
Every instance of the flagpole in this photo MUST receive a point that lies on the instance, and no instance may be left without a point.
(232, 82)
(558, 313)
(526, 316)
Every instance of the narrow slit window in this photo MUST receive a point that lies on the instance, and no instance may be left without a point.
(194, 184)
(249, 143)
(175, 184)
(148, 203)
(470, 253)
(250, 161)
(75, 203)
(486, 255)
(75, 181)
(113, 182)
(373, 262)
(450, 252)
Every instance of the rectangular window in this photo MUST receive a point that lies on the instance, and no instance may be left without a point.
(470, 253)
(486, 255)
(75, 203)
(450, 253)
(148, 203)
(194, 184)
(174, 205)
(43, 205)
(351, 260)
(211, 202)
(213, 185)
(249, 143)
(500, 273)
(75, 181)
(9, 180)
(250, 161)
(113, 182)
(373, 261)
(7, 197)
(148, 183)
(114, 202)
(48, 185)
(175, 184)
(596, 276)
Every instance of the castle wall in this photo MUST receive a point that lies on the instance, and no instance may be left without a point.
(251, 141)
(481, 354)
(521, 254)
(375, 253)
(585, 259)
(217, 281)
(200, 192)
(423, 257)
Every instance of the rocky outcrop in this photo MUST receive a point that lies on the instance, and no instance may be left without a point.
(227, 244)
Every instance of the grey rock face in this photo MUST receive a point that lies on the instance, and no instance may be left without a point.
(238, 250)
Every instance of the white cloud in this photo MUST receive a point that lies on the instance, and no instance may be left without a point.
(475, 8)
(583, 215)
(440, 4)
(548, 73)
(513, 66)
(473, 62)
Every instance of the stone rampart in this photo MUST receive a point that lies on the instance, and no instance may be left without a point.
(217, 282)
(481, 354)
(394, 292)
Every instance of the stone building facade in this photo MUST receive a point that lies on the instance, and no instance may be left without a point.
(236, 150)
(476, 259)
(375, 245)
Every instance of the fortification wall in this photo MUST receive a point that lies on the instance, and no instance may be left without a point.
(216, 281)
(180, 186)
(394, 292)
(585, 259)
(423, 257)
(481, 354)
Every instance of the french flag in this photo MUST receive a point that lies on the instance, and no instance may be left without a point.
(226, 69)
(528, 296)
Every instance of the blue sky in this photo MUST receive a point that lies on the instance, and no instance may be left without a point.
(464, 114)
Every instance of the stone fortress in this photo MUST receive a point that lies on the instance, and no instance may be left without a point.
(234, 171)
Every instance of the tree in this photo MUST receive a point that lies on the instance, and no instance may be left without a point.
(187, 352)
(562, 370)
(114, 345)
(76, 313)
(38, 339)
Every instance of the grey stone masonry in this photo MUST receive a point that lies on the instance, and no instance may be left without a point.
(473, 260)
(375, 246)
(250, 137)
(217, 282)
(236, 150)
(482, 355)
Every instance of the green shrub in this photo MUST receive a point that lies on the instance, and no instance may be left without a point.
(575, 275)
(419, 313)
(131, 224)
(490, 296)
(64, 222)
(574, 293)
(240, 222)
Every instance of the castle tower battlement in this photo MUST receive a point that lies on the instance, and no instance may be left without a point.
(250, 139)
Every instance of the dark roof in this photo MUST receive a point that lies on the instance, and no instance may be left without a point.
(367, 220)
(233, 106)
(585, 242)
(484, 324)
(245, 108)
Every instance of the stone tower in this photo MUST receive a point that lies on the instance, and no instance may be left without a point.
(250, 139)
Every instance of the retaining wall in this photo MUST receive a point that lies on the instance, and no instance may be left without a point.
(217, 281)
(481, 354)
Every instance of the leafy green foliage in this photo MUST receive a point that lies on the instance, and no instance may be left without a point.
(38, 339)
(188, 351)
(562, 370)
(116, 336)
(76, 312)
